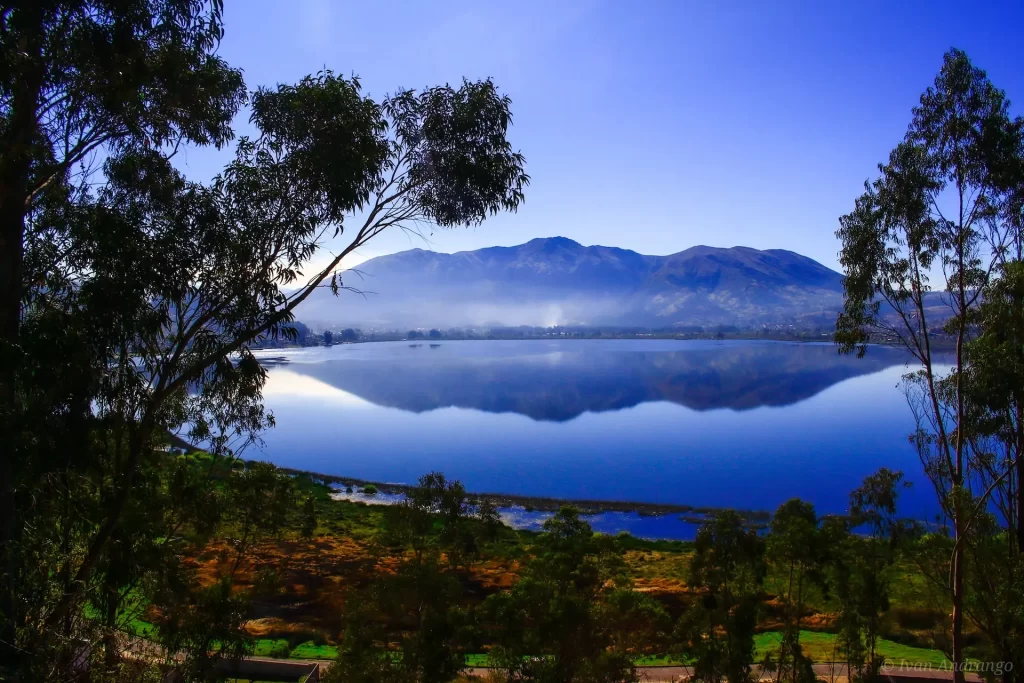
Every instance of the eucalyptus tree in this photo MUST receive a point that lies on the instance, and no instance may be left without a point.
(416, 603)
(146, 292)
(860, 551)
(78, 77)
(795, 548)
(946, 207)
(570, 616)
(490, 519)
(994, 386)
(408, 624)
(728, 568)
(432, 518)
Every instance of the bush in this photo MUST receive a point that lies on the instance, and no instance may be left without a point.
(281, 650)
(370, 489)
(306, 638)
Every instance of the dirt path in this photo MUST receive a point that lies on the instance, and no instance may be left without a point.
(895, 672)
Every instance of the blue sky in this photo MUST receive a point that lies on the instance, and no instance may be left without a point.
(649, 125)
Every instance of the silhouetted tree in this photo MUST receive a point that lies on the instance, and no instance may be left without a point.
(995, 412)
(78, 78)
(727, 570)
(562, 620)
(795, 547)
(151, 289)
(419, 600)
(859, 568)
(490, 518)
(947, 203)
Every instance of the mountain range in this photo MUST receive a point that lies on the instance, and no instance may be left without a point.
(556, 281)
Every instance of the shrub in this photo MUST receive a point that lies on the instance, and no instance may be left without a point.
(370, 489)
(281, 650)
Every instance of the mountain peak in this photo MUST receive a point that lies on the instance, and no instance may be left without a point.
(556, 242)
(558, 281)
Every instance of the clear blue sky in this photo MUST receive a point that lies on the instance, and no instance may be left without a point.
(651, 125)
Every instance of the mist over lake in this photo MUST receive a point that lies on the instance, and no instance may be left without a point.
(745, 424)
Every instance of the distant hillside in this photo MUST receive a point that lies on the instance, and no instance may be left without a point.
(556, 281)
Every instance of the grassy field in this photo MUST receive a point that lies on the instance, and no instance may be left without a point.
(821, 647)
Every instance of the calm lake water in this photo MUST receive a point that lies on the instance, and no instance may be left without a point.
(743, 424)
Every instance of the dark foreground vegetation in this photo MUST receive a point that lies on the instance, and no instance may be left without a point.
(131, 299)
(425, 589)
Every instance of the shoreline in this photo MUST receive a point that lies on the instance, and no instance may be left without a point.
(587, 507)
(689, 514)
(555, 337)
(939, 343)
(534, 503)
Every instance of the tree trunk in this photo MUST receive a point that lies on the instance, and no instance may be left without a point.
(1020, 479)
(15, 167)
(11, 230)
(110, 649)
(958, 600)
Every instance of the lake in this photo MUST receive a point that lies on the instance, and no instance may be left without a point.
(744, 424)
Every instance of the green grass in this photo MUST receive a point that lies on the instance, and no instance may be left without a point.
(478, 660)
(362, 521)
(128, 617)
(310, 650)
(821, 647)
(270, 647)
(140, 628)
(664, 660)
(357, 520)
(626, 541)
(277, 648)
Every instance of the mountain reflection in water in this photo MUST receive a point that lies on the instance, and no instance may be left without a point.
(559, 382)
